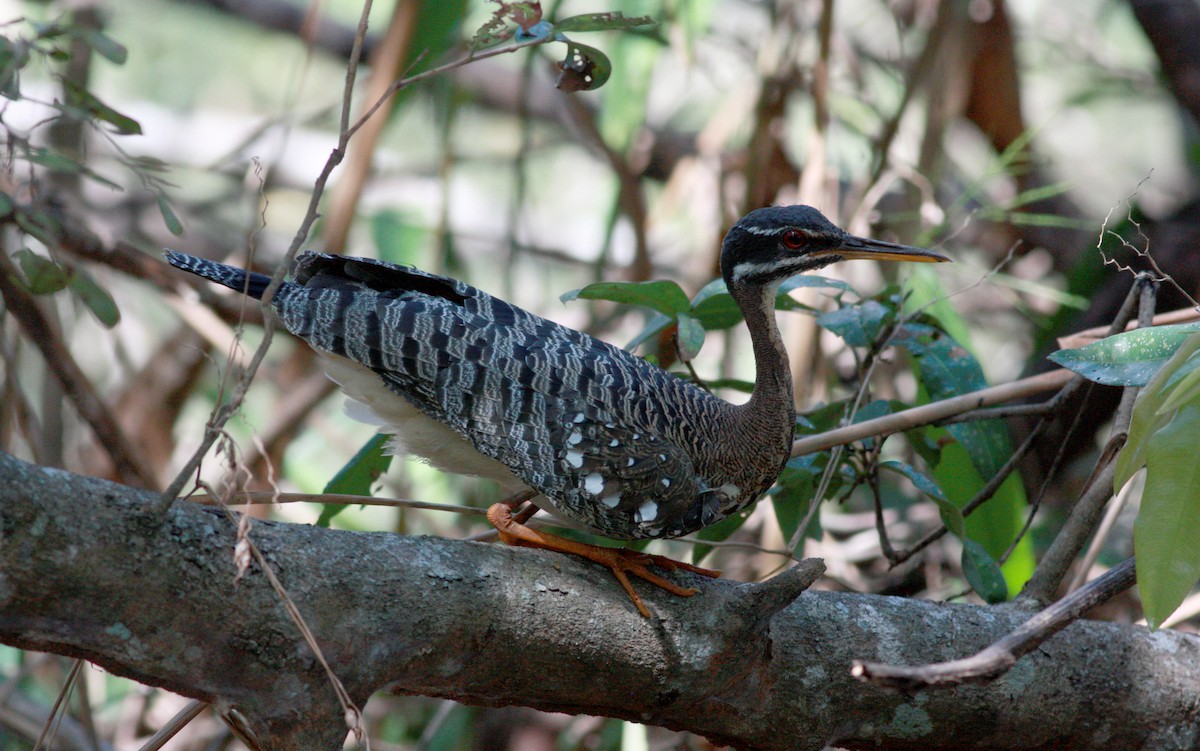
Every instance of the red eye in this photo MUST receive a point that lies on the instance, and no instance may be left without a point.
(794, 238)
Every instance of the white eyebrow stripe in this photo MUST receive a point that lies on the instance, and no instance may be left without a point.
(754, 229)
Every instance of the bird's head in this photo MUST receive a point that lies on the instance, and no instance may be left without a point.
(769, 245)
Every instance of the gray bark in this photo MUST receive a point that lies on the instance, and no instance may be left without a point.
(86, 571)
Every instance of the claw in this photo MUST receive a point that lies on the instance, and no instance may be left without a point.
(618, 560)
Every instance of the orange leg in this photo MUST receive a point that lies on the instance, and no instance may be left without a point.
(619, 560)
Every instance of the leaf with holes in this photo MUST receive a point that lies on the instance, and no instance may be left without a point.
(583, 69)
(358, 476)
(95, 297)
(614, 21)
(947, 369)
(664, 296)
(1130, 358)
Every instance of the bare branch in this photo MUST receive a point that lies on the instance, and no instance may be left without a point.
(999, 657)
(744, 665)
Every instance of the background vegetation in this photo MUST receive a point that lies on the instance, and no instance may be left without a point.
(1013, 135)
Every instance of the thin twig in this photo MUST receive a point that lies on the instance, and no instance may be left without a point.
(993, 484)
(78, 387)
(1087, 513)
(52, 720)
(254, 498)
(226, 410)
(927, 414)
(1106, 524)
(1051, 473)
(997, 658)
(172, 726)
(1001, 413)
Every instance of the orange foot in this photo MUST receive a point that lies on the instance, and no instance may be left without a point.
(619, 560)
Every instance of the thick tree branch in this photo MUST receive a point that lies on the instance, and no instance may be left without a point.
(85, 571)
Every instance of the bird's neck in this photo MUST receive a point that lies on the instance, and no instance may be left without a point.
(771, 407)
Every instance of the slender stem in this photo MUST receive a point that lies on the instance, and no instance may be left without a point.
(1088, 511)
(994, 660)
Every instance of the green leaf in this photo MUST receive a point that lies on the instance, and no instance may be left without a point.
(105, 46)
(1185, 387)
(615, 21)
(812, 280)
(793, 493)
(95, 297)
(718, 532)
(13, 57)
(951, 515)
(174, 226)
(664, 296)
(54, 161)
(81, 97)
(1147, 417)
(42, 275)
(357, 477)
(714, 307)
(995, 524)
(689, 337)
(1168, 524)
(983, 573)
(1130, 358)
(397, 236)
(583, 69)
(859, 324)
(948, 369)
(653, 328)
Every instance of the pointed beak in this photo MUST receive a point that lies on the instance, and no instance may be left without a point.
(861, 247)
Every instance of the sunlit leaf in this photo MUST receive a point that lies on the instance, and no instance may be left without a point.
(689, 336)
(614, 21)
(357, 476)
(714, 307)
(664, 296)
(1168, 523)
(1130, 358)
